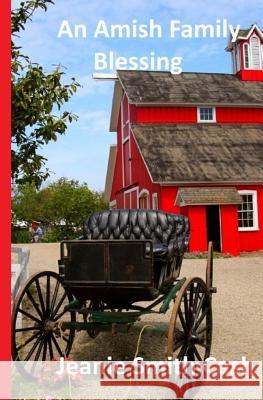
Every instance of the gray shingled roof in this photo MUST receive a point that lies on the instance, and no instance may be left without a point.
(195, 196)
(145, 87)
(244, 32)
(202, 152)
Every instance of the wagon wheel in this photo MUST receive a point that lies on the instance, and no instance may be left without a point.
(190, 328)
(36, 313)
(209, 269)
(94, 306)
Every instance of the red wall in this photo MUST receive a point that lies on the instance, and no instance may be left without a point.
(189, 115)
(229, 229)
(197, 217)
(166, 114)
(117, 177)
(239, 115)
(250, 75)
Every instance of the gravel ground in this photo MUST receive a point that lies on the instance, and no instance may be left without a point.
(237, 311)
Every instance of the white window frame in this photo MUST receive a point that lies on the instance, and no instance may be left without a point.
(199, 120)
(246, 45)
(155, 198)
(255, 210)
(144, 193)
(129, 191)
(251, 53)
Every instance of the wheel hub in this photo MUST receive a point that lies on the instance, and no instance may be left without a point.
(193, 338)
(50, 326)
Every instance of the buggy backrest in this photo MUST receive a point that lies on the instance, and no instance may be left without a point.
(139, 224)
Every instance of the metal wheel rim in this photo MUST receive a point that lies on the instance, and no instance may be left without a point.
(193, 330)
(46, 342)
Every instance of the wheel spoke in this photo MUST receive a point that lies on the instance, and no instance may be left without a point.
(41, 300)
(50, 348)
(183, 351)
(28, 340)
(182, 320)
(178, 344)
(196, 297)
(31, 298)
(29, 315)
(39, 349)
(48, 294)
(59, 304)
(58, 316)
(186, 310)
(203, 329)
(199, 307)
(55, 295)
(57, 345)
(190, 354)
(191, 295)
(65, 338)
(29, 328)
(33, 348)
(199, 358)
(204, 313)
(44, 355)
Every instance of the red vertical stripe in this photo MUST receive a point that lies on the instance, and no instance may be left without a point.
(5, 269)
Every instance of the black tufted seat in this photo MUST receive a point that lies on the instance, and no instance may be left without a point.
(169, 232)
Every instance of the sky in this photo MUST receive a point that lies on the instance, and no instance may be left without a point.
(82, 153)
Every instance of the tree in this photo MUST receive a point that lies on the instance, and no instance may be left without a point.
(37, 98)
(64, 203)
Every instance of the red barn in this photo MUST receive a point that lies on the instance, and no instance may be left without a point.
(193, 144)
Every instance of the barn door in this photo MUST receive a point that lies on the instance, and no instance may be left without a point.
(213, 226)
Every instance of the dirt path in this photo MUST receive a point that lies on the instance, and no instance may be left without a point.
(237, 311)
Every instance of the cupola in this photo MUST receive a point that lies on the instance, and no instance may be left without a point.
(247, 54)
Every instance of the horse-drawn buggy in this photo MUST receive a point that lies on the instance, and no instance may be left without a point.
(124, 258)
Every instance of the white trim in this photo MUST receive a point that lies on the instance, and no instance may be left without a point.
(254, 27)
(251, 53)
(138, 147)
(122, 153)
(130, 155)
(220, 227)
(129, 191)
(244, 56)
(255, 210)
(144, 193)
(104, 77)
(132, 189)
(155, 196)
(125, 140)
(199, 120)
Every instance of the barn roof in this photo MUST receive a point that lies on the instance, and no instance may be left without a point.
(196, 153)
(205, 196)
(146, 87)
(244, 34)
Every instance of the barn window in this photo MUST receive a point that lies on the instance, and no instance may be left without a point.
(246, 56)
(238, 67)
(255, 52)
(155, 201)
(247, 211)
(144, 199)
(206, 114)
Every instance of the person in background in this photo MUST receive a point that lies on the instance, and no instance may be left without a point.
(38, 232)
